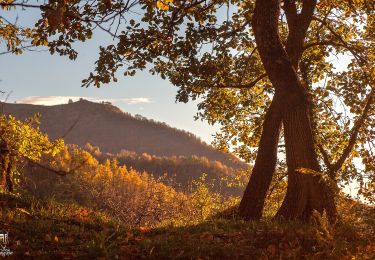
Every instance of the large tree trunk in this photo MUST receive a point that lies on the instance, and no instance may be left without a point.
(305, 192)
(252, 202)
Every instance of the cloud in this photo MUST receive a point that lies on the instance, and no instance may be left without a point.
(47, 100)
(134, 101)
(57, 100)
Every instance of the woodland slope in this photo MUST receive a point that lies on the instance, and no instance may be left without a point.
(112, 130)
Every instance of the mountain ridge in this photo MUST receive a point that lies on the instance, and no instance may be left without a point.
(112, 130)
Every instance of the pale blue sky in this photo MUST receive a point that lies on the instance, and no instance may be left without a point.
(44, 75)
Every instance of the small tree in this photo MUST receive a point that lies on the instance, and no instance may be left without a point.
(20, 142)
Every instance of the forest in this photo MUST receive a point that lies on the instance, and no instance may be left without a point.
(289, 82)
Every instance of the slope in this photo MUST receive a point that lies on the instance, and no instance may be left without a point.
(112, 130)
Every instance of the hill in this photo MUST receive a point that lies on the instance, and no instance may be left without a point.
(112, 130)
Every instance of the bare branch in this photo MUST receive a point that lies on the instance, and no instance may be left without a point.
(23, 5)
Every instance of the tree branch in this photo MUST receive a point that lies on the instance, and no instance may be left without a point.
(307, 12)
(27, 48)
(60, 173)
(243, 86)
(354, 52)
(354, 133)
(23, 5)
(326, 159)
(290, 10)
(298, 25)
(322, 43)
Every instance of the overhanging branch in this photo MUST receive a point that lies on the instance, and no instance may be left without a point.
(242, 86)
(23, 5)
(60, 173)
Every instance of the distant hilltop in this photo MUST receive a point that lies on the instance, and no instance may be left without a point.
(112, 130)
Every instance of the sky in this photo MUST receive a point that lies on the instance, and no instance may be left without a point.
(40, 78)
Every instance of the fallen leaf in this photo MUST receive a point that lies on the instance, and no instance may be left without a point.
(47, 238)
(143, 229)
(206, 236)
(271, 249)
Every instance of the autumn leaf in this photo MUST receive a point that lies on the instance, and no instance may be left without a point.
(206, 236)
(143, 229)
(163, 5)
(47, 238)
(271, 249)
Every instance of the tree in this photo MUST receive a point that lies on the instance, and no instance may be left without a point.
(238, 56)
(20, 142)
(305, 192)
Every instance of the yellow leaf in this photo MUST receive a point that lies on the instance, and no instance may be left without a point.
(24, 211)
(162, 5)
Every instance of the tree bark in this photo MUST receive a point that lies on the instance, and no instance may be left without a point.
(252, 203)
(6, 168)
(305, 192)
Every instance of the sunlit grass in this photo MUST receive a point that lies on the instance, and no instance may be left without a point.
(49, 228)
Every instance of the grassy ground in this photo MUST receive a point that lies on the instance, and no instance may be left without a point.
(231, 239)
(47, 229)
